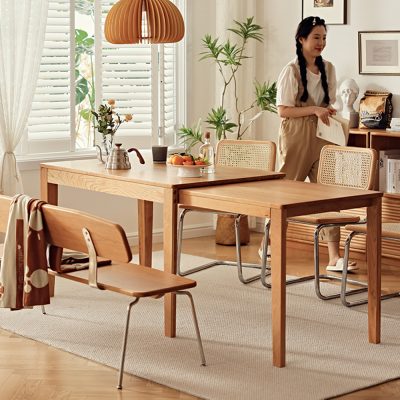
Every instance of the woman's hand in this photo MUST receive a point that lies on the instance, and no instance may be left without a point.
(324, 113)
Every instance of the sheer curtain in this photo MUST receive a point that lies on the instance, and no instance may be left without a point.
(22, 30)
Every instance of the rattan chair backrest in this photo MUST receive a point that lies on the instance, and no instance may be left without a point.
(257, 154)
(352, 167)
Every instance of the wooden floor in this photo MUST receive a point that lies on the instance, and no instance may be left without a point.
(34, 371)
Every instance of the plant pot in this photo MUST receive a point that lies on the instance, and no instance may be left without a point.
(225, 232)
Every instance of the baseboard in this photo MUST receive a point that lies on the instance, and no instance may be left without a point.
(190, 231)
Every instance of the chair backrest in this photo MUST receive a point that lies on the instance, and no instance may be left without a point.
(64, 226)
(257, 154)
(352, 167)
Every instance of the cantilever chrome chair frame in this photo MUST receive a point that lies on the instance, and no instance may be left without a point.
(259, 154)
(343, 292)
(330, 155)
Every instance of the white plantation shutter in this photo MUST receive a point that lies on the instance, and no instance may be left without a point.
(170, 89)
(50, 115)
(130, 74)
(127, 78)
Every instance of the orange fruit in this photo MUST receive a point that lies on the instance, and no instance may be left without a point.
(188, 162)
(177, 160)
(187, 158)
(200, 162)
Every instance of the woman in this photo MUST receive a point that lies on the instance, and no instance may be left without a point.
(306, 91)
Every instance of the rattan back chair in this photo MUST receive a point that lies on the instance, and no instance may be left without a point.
(343, 166)
(256, 154)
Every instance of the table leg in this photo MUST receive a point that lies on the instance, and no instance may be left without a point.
(374, 229)
(49, 193)
(145, 222)
(170, 249)
(278, 268)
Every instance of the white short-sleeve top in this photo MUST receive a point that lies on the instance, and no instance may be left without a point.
(288, 85)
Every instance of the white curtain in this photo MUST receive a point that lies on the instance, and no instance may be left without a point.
(22, 30)
(226, 12)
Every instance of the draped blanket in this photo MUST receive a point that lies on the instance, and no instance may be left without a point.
(23, 273)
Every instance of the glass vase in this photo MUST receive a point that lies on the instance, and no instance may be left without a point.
(108, 141)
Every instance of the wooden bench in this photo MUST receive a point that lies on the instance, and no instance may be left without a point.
(98, 237)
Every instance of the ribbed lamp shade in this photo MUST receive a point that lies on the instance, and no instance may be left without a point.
(144, 21)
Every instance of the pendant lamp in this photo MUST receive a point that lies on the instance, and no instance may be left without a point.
(144, 21)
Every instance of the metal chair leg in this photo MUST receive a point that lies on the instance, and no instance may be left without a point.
(239, 255)
(121, 368)
(264, 264)
(343, 292)
(319, 276)
(238, 263)
(196, 325)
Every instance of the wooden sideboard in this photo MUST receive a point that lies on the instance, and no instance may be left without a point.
(378, 139)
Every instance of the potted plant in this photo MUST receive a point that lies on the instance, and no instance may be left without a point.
(228, 58)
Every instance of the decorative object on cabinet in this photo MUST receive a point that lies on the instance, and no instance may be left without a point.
(376, 110)
(332, 11)
(349, 91)
(379, 52)
(144, 21)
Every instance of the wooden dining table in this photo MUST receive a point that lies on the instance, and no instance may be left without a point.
(279, 200)
(149, 183)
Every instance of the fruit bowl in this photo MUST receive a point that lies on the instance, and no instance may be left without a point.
(189, 171)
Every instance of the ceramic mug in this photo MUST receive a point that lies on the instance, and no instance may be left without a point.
(159, 153)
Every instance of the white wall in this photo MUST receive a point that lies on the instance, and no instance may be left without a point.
(342, 45)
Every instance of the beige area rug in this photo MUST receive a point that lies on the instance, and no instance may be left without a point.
(327, 348)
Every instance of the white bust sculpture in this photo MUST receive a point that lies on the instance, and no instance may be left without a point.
(349, 91)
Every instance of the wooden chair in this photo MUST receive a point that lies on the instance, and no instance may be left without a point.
(78, 231)
(257, 154)
(351, 167)
(390, 231)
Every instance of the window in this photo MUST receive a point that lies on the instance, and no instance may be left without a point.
(141, 78)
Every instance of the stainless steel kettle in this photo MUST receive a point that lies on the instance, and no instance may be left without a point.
(119, 158)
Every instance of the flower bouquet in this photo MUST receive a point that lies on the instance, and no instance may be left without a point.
(107, 123)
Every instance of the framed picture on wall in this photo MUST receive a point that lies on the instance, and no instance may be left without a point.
(332, 11)
(379, 53)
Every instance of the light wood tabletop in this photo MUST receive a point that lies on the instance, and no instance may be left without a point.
(280, 199)
(147, 183)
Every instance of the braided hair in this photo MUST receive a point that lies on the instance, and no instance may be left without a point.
(303, 30)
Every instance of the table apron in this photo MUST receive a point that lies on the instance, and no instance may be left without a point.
(260, 210)
(225, 206)
(338, 205)
(106, 185)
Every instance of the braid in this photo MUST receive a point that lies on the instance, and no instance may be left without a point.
(321, 66)
(303, 71)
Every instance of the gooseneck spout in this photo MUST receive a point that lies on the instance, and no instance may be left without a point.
(140, 157)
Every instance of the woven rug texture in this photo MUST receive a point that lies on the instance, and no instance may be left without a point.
(327, 347)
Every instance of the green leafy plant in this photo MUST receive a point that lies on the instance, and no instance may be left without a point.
(228, 57)
(84, 74)
(191, 136)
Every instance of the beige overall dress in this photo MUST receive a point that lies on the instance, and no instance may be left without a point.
(299, 146)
